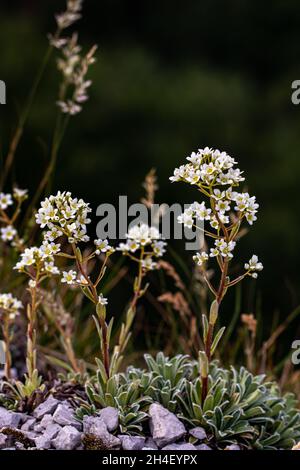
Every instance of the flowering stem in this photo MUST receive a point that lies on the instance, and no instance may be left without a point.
(138, 292)
(94, 296)
(6, 338)
(31, 331)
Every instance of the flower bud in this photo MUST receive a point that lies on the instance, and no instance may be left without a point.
(213, 314)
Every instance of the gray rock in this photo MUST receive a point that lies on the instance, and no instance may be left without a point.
(110, 416)
(38, 428)
(68, 438)
(180, 446)
(64, 415)
(47, 407)
(9, 418)
(164, 425)
(198, 433)
(44, 441)
(3, 441)
(19, 446)
(96, 426)
(203, 447)
(233, 447)
(150, 444)
(132, 442)
(28, 425)
(47, 421)
(149, 448)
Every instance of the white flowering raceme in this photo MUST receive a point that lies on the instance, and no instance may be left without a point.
(10, 306)
(148, 241)
(217, 177)
(40, 259)
(64, 215)
(253, 266)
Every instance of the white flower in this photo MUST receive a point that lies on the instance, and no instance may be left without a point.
(32, 284)
(5, 201)
(20, 194)
(186, 218)
(158, 248)
(82, 280)
(102, 300)
(10, 305)
(254, 265)
(200, 258)
(8, 233)
(69, 277)
(148, 264)
(102, 246)
(51, 268)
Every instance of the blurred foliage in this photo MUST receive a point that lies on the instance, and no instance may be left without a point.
(172, 77)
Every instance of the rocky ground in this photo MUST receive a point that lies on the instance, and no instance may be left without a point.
(53, 425)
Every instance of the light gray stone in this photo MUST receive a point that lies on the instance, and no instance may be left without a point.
(132, 442)
(38, 428)
(198, 433)
(44, 441)
(47, 421)
(164, 425)
(149, 443)
(47, 407)
(64, 415)
(110, 416)
(96, 426)
(9, 418)
(233, 447)
(203, 447)
(180, 446)
(3, 441)
(68, 438)
(19, 446)
(28, 425)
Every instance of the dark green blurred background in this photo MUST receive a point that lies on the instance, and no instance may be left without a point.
(172, 77)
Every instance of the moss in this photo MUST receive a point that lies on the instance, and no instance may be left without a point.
(92, 442)
(18, 436)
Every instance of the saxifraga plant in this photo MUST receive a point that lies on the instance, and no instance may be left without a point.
(241, 408)
(130, 393)
(212, 172)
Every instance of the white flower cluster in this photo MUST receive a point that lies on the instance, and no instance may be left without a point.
(71, 15)
(41, 259)
(210, 170)
(74, 68)
(254, 266)
(209, 167)
(224, 202)
(6, 200)
(103, 246)
(9, 233)
(64, 215)
(142, 236)
(10, 305)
